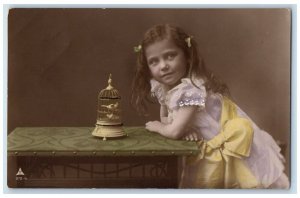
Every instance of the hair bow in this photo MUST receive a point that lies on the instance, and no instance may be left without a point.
(188, 41)
(137, 48)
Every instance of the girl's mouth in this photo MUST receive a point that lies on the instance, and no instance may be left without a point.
(166, 75)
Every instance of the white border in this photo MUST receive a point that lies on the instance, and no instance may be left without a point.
(6, 4)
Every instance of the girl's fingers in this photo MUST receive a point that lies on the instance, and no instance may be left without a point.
(191, 137)
(195, 137)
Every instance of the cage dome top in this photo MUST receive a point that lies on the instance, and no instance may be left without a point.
(109, 92)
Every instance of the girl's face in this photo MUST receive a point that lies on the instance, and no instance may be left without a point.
(167, 62)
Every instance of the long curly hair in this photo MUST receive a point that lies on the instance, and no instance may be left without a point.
(141, 87)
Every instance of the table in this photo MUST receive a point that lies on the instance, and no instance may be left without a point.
(71, 157)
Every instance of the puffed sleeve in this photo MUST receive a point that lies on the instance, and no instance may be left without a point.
(157, 90)
(189, 95)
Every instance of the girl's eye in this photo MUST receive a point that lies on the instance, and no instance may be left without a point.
(171, 56)
(152, 62)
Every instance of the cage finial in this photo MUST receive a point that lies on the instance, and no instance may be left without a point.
(109, 87)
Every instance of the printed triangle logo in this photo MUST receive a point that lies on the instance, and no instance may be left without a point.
(20, 172)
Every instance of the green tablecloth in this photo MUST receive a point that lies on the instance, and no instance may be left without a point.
(73, 141)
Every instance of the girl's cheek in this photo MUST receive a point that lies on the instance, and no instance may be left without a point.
(152, 71)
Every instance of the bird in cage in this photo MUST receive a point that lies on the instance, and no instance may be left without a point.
(112, 107)
(112, 116)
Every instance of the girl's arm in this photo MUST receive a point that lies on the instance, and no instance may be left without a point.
(163, 114)
(176, 129)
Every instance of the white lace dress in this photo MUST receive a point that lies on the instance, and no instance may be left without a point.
(265, 160)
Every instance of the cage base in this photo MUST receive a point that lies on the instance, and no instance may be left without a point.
(106, 132)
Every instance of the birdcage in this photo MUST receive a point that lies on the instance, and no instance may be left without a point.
(109, 117)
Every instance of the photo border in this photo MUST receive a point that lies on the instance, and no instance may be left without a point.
(293, 167)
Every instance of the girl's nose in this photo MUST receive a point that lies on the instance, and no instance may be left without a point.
(164, 65)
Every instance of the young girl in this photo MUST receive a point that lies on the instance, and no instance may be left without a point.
(195, 105)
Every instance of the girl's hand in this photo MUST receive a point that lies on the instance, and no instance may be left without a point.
(193, 136)
(154, 126)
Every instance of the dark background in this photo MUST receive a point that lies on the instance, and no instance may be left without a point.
(59, 60)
